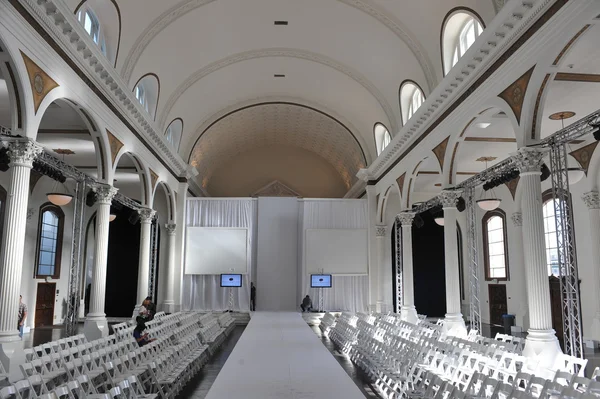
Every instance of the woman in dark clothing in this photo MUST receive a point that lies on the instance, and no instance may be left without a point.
(141, 339)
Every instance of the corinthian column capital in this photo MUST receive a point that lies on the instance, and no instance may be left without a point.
(529, 160)
(406, 218)
(23, 152)
(105, 193)
(146, 214)
(449, 198)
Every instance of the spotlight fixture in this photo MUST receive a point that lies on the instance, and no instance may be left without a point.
(91, 198)
(596, 127)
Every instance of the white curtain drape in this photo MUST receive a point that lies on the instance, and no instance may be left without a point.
(203, 292)
(349, 293)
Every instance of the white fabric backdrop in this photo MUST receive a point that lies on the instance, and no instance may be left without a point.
(203, 292)
(348, 293)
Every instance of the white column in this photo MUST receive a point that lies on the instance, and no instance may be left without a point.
(592, 200)
(373, 280)
(408, 311)
(21, 153)
(95, 324)
(454, 323)
(146, 216)
(181, 221)
(169, 302)
(541, 343)
(380, 235)
(517, 272)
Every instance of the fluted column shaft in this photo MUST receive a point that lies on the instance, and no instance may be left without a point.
(169, 296)
(373, 258)
(519, 275)
(541, 343)
(146, 216)
(408, 311)
(592, 201)
(22, 154)
(98, 292)
(380, 235)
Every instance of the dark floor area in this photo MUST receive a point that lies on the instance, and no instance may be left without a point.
(199, 386)
(361, 380)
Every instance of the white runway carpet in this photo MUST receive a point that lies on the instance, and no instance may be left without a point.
(279, 356)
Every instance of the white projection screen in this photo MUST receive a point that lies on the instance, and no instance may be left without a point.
(217, 250)
(336, 251)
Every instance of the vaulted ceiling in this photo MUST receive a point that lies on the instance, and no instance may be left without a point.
(343, 58)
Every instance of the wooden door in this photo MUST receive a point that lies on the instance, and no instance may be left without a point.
(44, 304)
(498, 305)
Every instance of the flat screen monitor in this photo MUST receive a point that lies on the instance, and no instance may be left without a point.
(320, 280)
(231, 280)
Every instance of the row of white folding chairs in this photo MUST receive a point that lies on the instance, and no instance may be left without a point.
(344, 335)
(226, 322)
(366, 317)
(327, 323)
(54, 347)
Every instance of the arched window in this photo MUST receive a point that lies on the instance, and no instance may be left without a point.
(411, 97)
(173, 133)
(460, 30)
(382, 137)
(495, 245)
(49, 242)
(91, 24)
(550, 234)
(147, 91)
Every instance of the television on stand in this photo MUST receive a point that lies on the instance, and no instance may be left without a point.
(320, 280)
(231, 280)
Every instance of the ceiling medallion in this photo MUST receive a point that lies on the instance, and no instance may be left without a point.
(38, 83)
(559, 116)
(486, 159)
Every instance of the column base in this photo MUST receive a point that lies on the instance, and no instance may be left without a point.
(168, 306)
(541, 350)
(12, 356)
(409, 314)
(379, 306)
(372, 307)
(454, 325)
(95, 327)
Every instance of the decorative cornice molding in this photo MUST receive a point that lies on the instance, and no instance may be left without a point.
(591, 199)
(449, 198)
(61, 26)
(380, 230)
(529, 160)
(517, 219)
(277, 52)
(380, 14)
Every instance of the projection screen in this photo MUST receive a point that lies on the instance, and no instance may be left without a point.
(217, 250)
(336, 251)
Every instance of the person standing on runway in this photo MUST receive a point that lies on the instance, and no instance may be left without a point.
(252, 297)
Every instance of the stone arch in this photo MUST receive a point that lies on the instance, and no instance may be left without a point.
(141, 170)
(170, 199)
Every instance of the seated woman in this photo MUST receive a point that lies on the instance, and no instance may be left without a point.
(141, 339)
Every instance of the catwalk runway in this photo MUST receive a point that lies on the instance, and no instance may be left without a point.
(279, 356)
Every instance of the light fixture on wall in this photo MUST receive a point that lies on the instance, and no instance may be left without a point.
(439, 220)
(56, 197)
(575, 173)
(112, 217)
(488, 204)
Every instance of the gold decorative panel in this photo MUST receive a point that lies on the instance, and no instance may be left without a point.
(583, 155)
(512, 186)
(514, 95)
(153, 179)
(440, 151)
(115, 146)
(41, 83)
(400, 182)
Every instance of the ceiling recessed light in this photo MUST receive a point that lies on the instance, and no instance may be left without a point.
(279, 75)
(482, 125)
(284, 23)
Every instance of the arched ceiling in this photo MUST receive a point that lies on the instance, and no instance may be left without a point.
(277, 124)
(345, 58)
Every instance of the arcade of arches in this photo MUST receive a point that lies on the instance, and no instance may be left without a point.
(353, 113)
